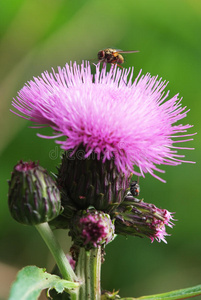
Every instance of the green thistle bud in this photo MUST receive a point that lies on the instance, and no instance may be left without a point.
(91, 228)
(88, 182)
(33, 197)
(137, 218)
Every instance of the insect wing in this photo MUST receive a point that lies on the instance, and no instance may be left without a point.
(132, 51)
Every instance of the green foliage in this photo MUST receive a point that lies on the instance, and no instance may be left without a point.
(32, 280)
(174, 295)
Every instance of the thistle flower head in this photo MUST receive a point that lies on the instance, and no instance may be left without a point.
(110, 113)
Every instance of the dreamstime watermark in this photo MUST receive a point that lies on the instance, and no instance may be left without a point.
(79, 154)
(56, 153)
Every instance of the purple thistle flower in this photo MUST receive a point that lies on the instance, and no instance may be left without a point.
(132, 123)
(159, 224)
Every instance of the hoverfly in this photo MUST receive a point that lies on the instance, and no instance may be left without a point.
(112, 56)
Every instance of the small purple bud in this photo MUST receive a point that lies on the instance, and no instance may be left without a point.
(91, 228)
(33, 197)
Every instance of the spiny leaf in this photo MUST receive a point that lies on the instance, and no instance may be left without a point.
(32, 280)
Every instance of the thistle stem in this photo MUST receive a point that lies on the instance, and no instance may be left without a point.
(88, 270)
(57, 252)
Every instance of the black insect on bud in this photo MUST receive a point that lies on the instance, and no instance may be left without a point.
(134, 188)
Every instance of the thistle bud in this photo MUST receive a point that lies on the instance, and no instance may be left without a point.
(33, 197)
(91, 228)
(137, 218)
(88, 182)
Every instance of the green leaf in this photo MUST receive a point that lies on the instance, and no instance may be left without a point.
(32, 280)
(174, 295)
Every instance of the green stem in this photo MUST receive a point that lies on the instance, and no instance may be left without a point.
(88, 270)
(57, 252)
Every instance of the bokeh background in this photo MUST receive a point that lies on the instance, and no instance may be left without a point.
(36, 35)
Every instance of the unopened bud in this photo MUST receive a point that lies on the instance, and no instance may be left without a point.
(137, 218)
(91, 228)
(33, 197)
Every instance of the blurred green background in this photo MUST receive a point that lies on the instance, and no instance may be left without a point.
(36, 35)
